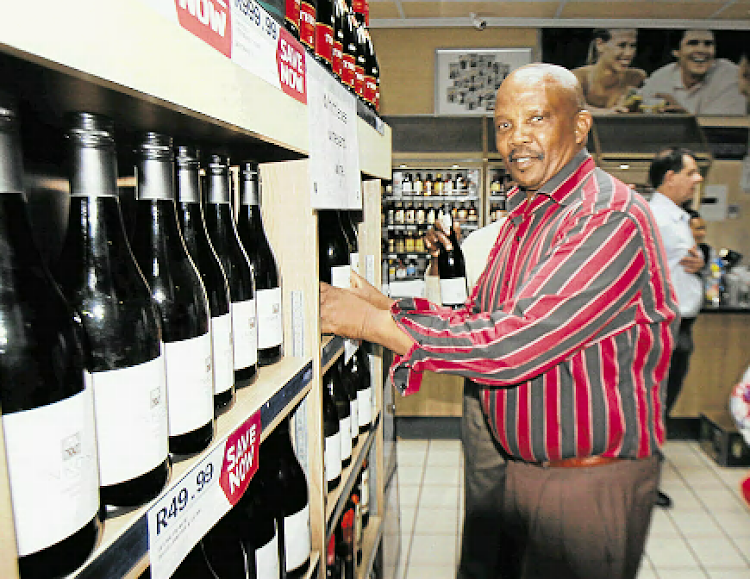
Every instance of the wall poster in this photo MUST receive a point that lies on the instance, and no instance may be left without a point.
(700, 72)
(466, 79)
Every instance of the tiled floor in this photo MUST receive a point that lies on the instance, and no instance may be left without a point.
(705, 535)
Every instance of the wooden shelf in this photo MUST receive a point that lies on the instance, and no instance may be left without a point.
(370, 543)
(123, 548)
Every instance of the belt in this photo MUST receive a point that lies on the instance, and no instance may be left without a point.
(579, 462)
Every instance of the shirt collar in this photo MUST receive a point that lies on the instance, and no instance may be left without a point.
(677, 83)
(562, 189)
(669, 207)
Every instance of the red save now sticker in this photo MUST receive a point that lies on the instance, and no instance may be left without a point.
(290, 58)
(240, 458)
(209, 20)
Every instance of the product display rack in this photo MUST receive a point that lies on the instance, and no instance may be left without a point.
(127, 61)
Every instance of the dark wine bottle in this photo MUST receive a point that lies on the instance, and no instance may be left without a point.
(324, 24)
(347, 380)
(360, 365)
(193, 566)
(178, 292)
(451, 267)
(372, 72)
(224, 552)
(267, 279)
(257, 530)
(337, 52)
(193, 227)
(222, 231)
(286, 489)
(356, 498)
(350, 233)
(333, 250)
(333, 563)
(345, 539)
(332, 438)
(361, 49)
(343, 410)
(101, 280)
(307, 21)
(291, 17)
(349, 63)
(47, 406)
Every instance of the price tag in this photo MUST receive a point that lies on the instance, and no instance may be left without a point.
(186, 512)
(334, 146)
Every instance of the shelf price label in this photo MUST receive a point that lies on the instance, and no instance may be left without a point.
(334, 148)
(188, 510)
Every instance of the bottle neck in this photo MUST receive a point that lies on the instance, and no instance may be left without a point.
(188, 187)
(93, 171)
(250, 192)
(11, 168)
(217, 187)
(155, 180)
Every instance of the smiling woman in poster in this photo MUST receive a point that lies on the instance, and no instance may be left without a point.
(607, 79)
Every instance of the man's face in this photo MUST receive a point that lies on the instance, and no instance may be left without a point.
(685, 182)
(698, 227)
(538, 129)
(696, 53)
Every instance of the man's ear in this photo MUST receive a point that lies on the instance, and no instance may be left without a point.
(583, 124)
(676, 54)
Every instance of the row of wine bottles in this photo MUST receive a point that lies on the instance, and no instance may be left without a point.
(345, 546)
(336, 33)
(266, 535)
(128, 349)
(347, 412)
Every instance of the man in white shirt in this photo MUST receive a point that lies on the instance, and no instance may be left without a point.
(675, 175)
(485, 552)
(697, 82)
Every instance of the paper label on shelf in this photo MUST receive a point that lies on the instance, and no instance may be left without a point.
(178, 520)
(245, 32)
(334, 146)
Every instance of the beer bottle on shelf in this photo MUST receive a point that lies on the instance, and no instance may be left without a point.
(100, 278)
(181, 300)
(47, 405)
(193, 226)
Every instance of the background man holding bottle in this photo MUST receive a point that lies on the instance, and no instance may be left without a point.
(568, 331)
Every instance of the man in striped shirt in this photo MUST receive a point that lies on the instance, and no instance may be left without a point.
(568, 332)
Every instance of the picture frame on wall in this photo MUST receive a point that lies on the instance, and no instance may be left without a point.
(466, 79)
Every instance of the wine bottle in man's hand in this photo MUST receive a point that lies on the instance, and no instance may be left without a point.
(451, 267)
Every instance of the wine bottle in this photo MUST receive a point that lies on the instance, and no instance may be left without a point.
(307, 21)
(372, 73)
(324, 33)
(179, 294)
(99, 277)
(257, 531)
(286, 489)
(361, 371)
(333, 566)
(347, 380)
(350, 233)
(224, 552)
(335, 267)
(337, 52)
(291, 17)
(193, 566)
(267, 279)
(222, 231)
(345, 539)
(332, 438)
(349, 63)
(451, 268)
(359, 61)
(193, 227)
(365, 493)
(356, 498)
(47, 406)
(343, 410)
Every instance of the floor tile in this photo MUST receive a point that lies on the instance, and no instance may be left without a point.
(441, 497)
(714, 552)
(409, 496)
(441, 476)
(681, 574)
(432, 550)
(430, 572)
(437, 522)
(410, 475)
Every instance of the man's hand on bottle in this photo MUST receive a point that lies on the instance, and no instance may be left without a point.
(363, 288)
(435, 239)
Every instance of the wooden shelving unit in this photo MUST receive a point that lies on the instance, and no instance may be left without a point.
(130, 62)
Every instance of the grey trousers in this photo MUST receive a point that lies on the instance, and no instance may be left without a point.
(484, 548)
(581, 523)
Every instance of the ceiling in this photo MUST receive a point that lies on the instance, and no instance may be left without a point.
(714, 14)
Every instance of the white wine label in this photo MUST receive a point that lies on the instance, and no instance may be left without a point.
(364, 406)
(134, 401)
(51, 455)
(341, 276)
(270, 328)
(245, 332)
(453, 291)
(354, 411)
(190, 391)
(221, 340)
(297, 538)
(354, 261)
(267, 560)
(345, 430)
(332, 456)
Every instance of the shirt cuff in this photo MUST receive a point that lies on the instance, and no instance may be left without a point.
(405, 378)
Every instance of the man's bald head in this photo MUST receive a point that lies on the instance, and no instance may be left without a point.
(549, 76)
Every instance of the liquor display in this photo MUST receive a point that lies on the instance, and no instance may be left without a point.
(360, 370)
(222, 231)
(333, 250)
(336, 389)
(178, 292)
(45, 400)
(267, 278)
(451, 267)
(193, 227)
(100, 279)
(324, 33)
(332, 434)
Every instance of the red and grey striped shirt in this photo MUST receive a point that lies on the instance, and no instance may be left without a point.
(570, 327)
